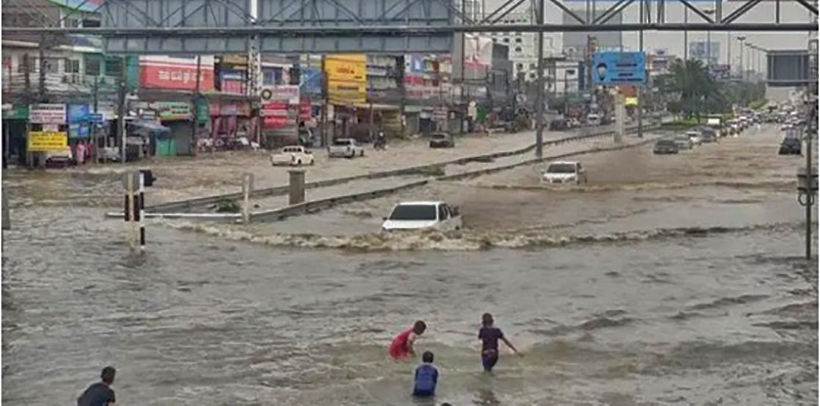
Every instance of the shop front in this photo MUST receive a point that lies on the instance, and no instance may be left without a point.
(15, 118)
(231, 123)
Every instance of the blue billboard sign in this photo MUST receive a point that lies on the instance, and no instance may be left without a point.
(77, 112)
(617, 68)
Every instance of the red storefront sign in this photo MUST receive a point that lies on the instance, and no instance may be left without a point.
(275, 115)
(233, 86)
(162, 72)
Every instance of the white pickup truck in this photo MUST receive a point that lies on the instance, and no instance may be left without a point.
(295, 155)
(564, 172)
(423, 215)
(345, 147)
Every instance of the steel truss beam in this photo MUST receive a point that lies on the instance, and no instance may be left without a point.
(405, 31)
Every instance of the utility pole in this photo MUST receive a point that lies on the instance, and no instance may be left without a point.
(464, 108)
(92, 124)
(195, 123)
(122, 110)
(640, 86)
(539, 95)
(41, 80)
(742, 71)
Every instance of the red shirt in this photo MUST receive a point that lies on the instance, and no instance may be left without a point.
(398, 347)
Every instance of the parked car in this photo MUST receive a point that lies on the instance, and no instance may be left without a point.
(564, 172)
(442, 140)
(791, 145)
(593, 120)
(345, 147)
(59, 159)
(666, 146)
(683, 141)
(293, 155)
(423, 215)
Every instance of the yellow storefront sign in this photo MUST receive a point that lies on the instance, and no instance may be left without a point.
(630, 101)
(47, 141)
(346, 78)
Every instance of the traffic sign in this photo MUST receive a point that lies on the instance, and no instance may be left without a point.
(94, 117)
(614, 68)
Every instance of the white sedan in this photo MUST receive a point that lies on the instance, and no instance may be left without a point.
(293, 156)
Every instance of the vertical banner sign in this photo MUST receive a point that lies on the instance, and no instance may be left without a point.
(276, 103)
(77, 120)
(304, 109)
(346, 78)
(47, 114)
(614, 68)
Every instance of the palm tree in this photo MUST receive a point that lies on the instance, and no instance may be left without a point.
(691, 80)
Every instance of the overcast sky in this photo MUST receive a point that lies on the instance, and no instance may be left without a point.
(673, 42)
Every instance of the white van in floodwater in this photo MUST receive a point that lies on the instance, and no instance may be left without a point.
(422, 215)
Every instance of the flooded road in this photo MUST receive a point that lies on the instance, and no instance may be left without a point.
(673, 280)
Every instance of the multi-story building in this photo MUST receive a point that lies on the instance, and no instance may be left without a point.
(523, 49)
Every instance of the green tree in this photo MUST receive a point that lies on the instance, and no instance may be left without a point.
(697, 90)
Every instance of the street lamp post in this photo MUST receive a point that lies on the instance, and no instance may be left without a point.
(807, 189)
(709, 40)
(742, 73)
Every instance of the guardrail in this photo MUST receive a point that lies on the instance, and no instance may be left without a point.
(189, 204)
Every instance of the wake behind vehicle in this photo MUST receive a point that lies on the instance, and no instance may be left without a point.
(294, 155)
(564, 172)
(665, 146)
(442, 140)
(345, 147)
(421, 215)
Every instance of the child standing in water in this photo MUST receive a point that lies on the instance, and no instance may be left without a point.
(426, 377)
(489, 336)
(402, 345)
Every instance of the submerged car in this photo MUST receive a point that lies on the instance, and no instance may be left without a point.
(665, 146)
(423, 215)
(564, 172)
(791, 145)
(684, 142)
(442, 140)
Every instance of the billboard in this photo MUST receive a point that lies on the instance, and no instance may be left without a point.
(47, 114)
(613, 68)
(705, 50)
(45, 141)
(276, 106)
(165, 72)
(346, 78)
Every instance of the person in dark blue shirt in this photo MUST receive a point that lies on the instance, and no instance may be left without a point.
(489, 336)
(100, 393)
(426, 377)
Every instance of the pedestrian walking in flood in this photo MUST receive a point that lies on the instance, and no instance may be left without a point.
(100, 393)
(489, 335)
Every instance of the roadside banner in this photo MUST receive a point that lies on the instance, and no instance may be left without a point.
(165, 72)
(346, 78)
(47, 114)
(46, 141)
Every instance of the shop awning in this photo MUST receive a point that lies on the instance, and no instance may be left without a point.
(148, 127)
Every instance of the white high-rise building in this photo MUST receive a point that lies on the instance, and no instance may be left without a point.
(523, 45)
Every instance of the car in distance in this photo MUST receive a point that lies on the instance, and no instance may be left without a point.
(421, 215)
(345, 147)
(442, 140)
(684, 142)
(695, 137)
(294, 155)
(791, 145)
(708, 135)
(564, 172)
(665, 146)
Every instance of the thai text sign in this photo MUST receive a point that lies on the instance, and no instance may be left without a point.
(163, 72)
(47, 114)
(46, 141)
(613, 68)
(346, 78)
